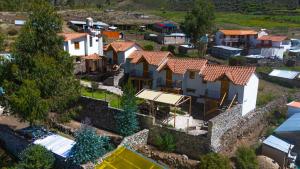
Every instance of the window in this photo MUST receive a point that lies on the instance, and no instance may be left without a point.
(192, 75)
(91, 41)
(77, 46)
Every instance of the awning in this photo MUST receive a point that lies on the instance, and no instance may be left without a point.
(161, 97)
(125, 158)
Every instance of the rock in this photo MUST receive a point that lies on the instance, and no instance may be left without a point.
(185, 157)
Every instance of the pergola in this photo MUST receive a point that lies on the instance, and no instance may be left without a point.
(163, 97)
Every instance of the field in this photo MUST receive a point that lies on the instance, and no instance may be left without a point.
(114, 100)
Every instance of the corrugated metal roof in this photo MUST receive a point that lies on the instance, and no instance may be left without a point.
(290, 125)
(284, 74)
(278, 144)
(97, 23)
(57, 144)
(227, 48)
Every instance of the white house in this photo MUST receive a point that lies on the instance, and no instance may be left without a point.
(194, 77)
(87, 48)
(118, 51)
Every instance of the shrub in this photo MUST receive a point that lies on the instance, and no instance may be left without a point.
(166, 142)
(164, 48)
(214, 161)
(171, 48)
(246, 159)
(148, 47)
(36, 157)
(12, 32)
(89, 146)
(264, 98)
(237, 61)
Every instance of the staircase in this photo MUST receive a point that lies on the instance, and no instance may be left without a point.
(118, 77)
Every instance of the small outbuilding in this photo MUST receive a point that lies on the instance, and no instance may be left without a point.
(225, 52)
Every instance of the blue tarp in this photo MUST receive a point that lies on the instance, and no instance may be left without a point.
(292, 124)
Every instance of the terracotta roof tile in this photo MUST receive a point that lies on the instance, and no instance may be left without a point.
(71, 36)
(294, 104)
(238, 32)
(94, 56)
(120, 46)
(152, 57)
(181, 65)
(237, 74)
(273, 38)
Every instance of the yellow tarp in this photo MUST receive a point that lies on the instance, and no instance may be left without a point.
(123, 158)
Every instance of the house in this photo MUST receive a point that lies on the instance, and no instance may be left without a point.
(80, 26)
(293, 108)
(194, 77)
(172, 39)
(87, 48)
(272, 46)
(225, 52)
(279, 150)
(290, 131)
(236, 38)
(118, 51)
(164, 27)
(115, 35)
(185, 49)
(285, 77)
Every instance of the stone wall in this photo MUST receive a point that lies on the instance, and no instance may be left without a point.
(227, 128)
(291, 83)
(138, 139)
(220, 124)
(190, 145)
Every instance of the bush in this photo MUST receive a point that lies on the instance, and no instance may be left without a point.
(246, 159)
(89, 146)
(148, 47)
(171, 48)
(164, 48)
(166, 142)
(36, 157)
(214, 161)
(237, 61)
(12, 32)
(263, 99)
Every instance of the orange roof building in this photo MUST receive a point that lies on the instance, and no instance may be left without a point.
(152, 57)
(272, 38)
(72, 36)
(238, 32)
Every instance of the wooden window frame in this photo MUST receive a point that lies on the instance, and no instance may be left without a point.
(192, 75)
(76, 45)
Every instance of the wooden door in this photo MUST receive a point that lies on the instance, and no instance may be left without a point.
(115, 57)
(168, 78)
(146, 69)
(224, 87)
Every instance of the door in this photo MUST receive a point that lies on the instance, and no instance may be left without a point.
(146, 69)
(168, 78)
(115, 58)
(224, 87)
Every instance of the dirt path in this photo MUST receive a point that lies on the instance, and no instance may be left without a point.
(13, 122)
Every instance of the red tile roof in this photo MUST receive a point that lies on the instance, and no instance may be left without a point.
(152, 57)
(72, 36)
(181, 65)
(238, 32)
(294, 104)
(120, 46)
(273, 38)
(237, 74)
(94, 56)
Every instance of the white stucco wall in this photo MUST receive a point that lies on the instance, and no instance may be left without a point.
(196, 84)
(250, 95)
(77, 52)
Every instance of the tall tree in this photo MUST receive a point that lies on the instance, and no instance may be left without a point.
(127, 122)
(199, 22)
(39, 57)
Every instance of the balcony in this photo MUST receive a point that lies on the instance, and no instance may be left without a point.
(171, 86)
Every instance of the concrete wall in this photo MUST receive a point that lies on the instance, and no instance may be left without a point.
(274, 154)
(250, 95)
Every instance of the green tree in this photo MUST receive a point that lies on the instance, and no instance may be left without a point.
(246, 159)
(127, 121)
(198, 22)
(36, 157)
(166, 142)
(2, 45)
(148, 47)
(28, 101)
(89, 146)
(39, 57)
(214, 161)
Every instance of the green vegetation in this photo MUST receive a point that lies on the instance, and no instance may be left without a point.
(112, 99)
(214, 161)
(148, 47)
(199, 22)
(264, 98)
(5, 160)
(2, 45)
(36, 157)
(165, 142)
(127, 122)
(89, 146)
(237, 61)
(246, 159)
(40, 79)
